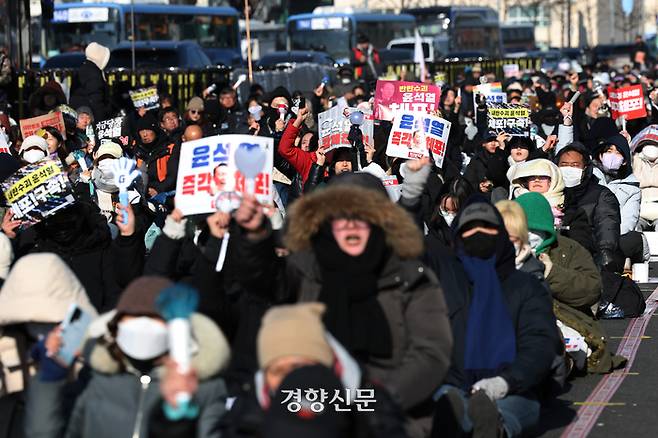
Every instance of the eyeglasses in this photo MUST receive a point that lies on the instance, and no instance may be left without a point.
(195, 111)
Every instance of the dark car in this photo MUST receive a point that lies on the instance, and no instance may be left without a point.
(65, 60)
(287, 59)
(159, 54)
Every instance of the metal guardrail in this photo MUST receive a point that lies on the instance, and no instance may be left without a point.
(453, 69)
(179, 83)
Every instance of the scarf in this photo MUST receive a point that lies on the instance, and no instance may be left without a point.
(490, 335)
(349, 290)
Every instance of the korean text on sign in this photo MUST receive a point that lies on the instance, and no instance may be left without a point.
(334, 127)
(392, 97)
(415, 135)
(510, 118)
(31, 126)
(108, 129)
(145, 98)
(37, 191)
(207, 168)
(627, 102)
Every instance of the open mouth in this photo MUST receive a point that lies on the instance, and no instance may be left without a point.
(353, 239)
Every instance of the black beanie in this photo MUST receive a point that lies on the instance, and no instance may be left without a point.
(147, 122)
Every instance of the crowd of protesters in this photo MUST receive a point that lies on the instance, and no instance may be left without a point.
(443, 312)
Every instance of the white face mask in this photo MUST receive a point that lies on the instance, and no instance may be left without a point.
(34, 155)
(571, 175)
(448, 216)
(103, 175)
(534, 240)
(142, 338)
(650, 152)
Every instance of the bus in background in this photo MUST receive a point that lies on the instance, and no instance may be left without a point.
(265, 38)
(75, 25)
(459, 29)
(518, 38)
(335, 31)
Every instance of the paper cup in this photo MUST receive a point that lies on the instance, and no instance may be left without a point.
(641, 272)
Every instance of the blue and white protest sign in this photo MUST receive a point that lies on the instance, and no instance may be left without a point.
(208, 168)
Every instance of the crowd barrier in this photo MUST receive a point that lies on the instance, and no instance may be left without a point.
(452, 70)
(184, 84)
(179, 83)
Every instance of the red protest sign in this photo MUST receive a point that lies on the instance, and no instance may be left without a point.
(30, 126)
(394, 96)
(627, 102)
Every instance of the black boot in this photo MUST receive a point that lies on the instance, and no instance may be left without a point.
(449, 416)
(484, 415)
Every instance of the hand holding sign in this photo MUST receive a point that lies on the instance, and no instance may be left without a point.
(124, 174)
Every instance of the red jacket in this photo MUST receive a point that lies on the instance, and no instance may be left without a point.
(299, 159)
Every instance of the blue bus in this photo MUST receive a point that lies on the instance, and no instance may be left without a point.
(336, 32)
(75, 25)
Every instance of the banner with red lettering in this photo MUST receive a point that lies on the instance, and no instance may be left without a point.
(31, 126)
(392, 97)
(627, 102)
(414, 135)
(207, 172)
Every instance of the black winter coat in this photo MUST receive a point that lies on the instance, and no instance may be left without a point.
(530, 308)
(90, 90)
(597, 205)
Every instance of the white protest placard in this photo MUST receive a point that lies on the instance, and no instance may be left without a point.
(207, 168)
(511, 70)
(145, 98)
(334, 127)
(415, 135)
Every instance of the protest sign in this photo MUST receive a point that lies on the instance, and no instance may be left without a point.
(415, 135)
(31, 126)
(511, 118)
(627, 102)
(207, 168)
(334, 128)
(37, 191)
(146, 98)
(109, 129)
(511, 70)
(392, 97)
(492, 92)
(392, 186)
(4, 146)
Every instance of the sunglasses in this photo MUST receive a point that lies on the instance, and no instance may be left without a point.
(195, 111)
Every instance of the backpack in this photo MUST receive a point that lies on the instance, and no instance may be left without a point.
(620, 297)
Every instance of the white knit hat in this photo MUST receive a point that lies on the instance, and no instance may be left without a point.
(41, 288)
(99, 55)
(34, 140)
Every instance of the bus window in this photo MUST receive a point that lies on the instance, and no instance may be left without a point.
(73, 29)
(327, 35)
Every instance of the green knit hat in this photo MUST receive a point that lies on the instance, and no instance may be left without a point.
(540, 217)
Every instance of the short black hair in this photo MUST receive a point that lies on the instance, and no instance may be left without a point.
(164, 111)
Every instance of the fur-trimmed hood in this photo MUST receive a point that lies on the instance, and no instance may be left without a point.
(212, 350)
(307, 215)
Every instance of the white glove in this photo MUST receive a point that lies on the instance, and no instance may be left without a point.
(174, 230)
(495, 388)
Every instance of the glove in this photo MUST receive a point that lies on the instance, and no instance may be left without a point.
(495, 388)
(414, 182)
(174, 230)
(548, 263)
(607, 261)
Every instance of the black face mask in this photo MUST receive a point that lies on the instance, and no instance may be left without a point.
(480, 245)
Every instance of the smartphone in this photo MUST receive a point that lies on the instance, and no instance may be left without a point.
(302, 102)
(74, 327)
